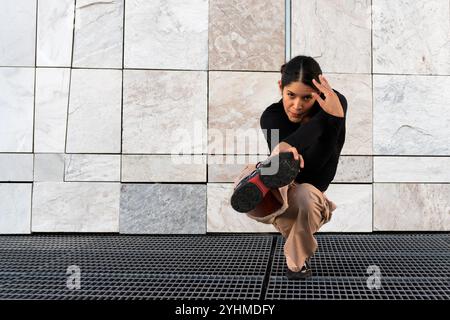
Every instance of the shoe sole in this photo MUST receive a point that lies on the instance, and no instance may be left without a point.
(249, 195)
(298, 275)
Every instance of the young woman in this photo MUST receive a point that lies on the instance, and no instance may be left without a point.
(309, 122)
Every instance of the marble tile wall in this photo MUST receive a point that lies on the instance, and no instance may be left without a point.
(135, 116)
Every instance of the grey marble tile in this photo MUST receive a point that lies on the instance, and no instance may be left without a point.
(94, 120)
(163, 168)
(92, 167)
(164, 112)
(246, 35)
(75, 207)
(15, 208)
(98, 34)
(411, 37)
(336, 33)
(49, 167)
(178, 29)
(411, 169)
(223, 218)
(354, 169)
(16, 167)
(163, 209)
(411, 207)
(16, 109)
(17, 33)
(51, 103)
(55, 33)
(357, 89)
(410, 115)
(354, 208)
(234, 113)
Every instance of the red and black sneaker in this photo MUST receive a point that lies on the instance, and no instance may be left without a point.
(251, 189)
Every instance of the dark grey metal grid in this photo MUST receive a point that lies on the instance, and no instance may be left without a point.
(253, 243)
(129, 262)
(49, 286)
(147, 267)
(412, 267)
(334, 288)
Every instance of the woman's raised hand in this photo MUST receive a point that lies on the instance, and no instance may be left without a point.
(331, 104)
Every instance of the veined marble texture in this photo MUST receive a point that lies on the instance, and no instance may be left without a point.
(55, 33)
(17, 33)
(75, 207)
(411, 115)
(357, 89)
(246, 35)
(51, 103)
(354, 208)
(236, 102)
(353, 213)
(15, 208)
(92, 167)
(16, 109)
(164, 112)
(16, 167)
(336, 33)
(49, 167)
(166, 34)
(223, 218)
(94, 119)
(163, 209)
(163, 168)
(226, 168)
(411, 207)
(354, 169)
(98, 34)
(411, 36)
(412, 169)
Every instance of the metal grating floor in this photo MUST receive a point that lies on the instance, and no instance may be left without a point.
(235, 266)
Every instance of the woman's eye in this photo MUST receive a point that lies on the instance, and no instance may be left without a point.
(307, 98)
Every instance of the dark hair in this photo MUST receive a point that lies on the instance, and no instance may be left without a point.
(302, 69)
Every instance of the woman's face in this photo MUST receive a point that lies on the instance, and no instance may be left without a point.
(297, 100)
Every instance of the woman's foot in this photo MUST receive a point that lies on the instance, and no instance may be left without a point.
(251, 189)
(304, 273)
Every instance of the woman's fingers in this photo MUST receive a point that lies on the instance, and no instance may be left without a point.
(325, 82)
(302, 162)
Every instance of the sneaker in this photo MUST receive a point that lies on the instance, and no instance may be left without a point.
(304, 273)
(251, 189)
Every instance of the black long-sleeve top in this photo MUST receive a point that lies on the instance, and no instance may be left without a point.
(319, 141)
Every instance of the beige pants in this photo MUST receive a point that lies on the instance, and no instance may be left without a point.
(297, 211)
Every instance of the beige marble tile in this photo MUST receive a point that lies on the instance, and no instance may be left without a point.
(354, 169)
(52, 99)
(410, 115)
(164, 112)
(15, 208)
(98, 34)
(49, 167)
(94, 118)
(92, 167)
(221, 217)
(411, 207)
(163, 168)
(357, 89)
(236, 102)
(76, 207)
(246, 35)
(166, 34)
(411, 169)
(336, 33)
(411, 37)
(354, 208)
(17, 33)
(16, 167)
(226, 168)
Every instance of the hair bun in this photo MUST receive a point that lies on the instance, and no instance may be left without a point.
(283, 68)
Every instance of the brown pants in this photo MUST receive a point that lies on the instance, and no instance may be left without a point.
(297, 211)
